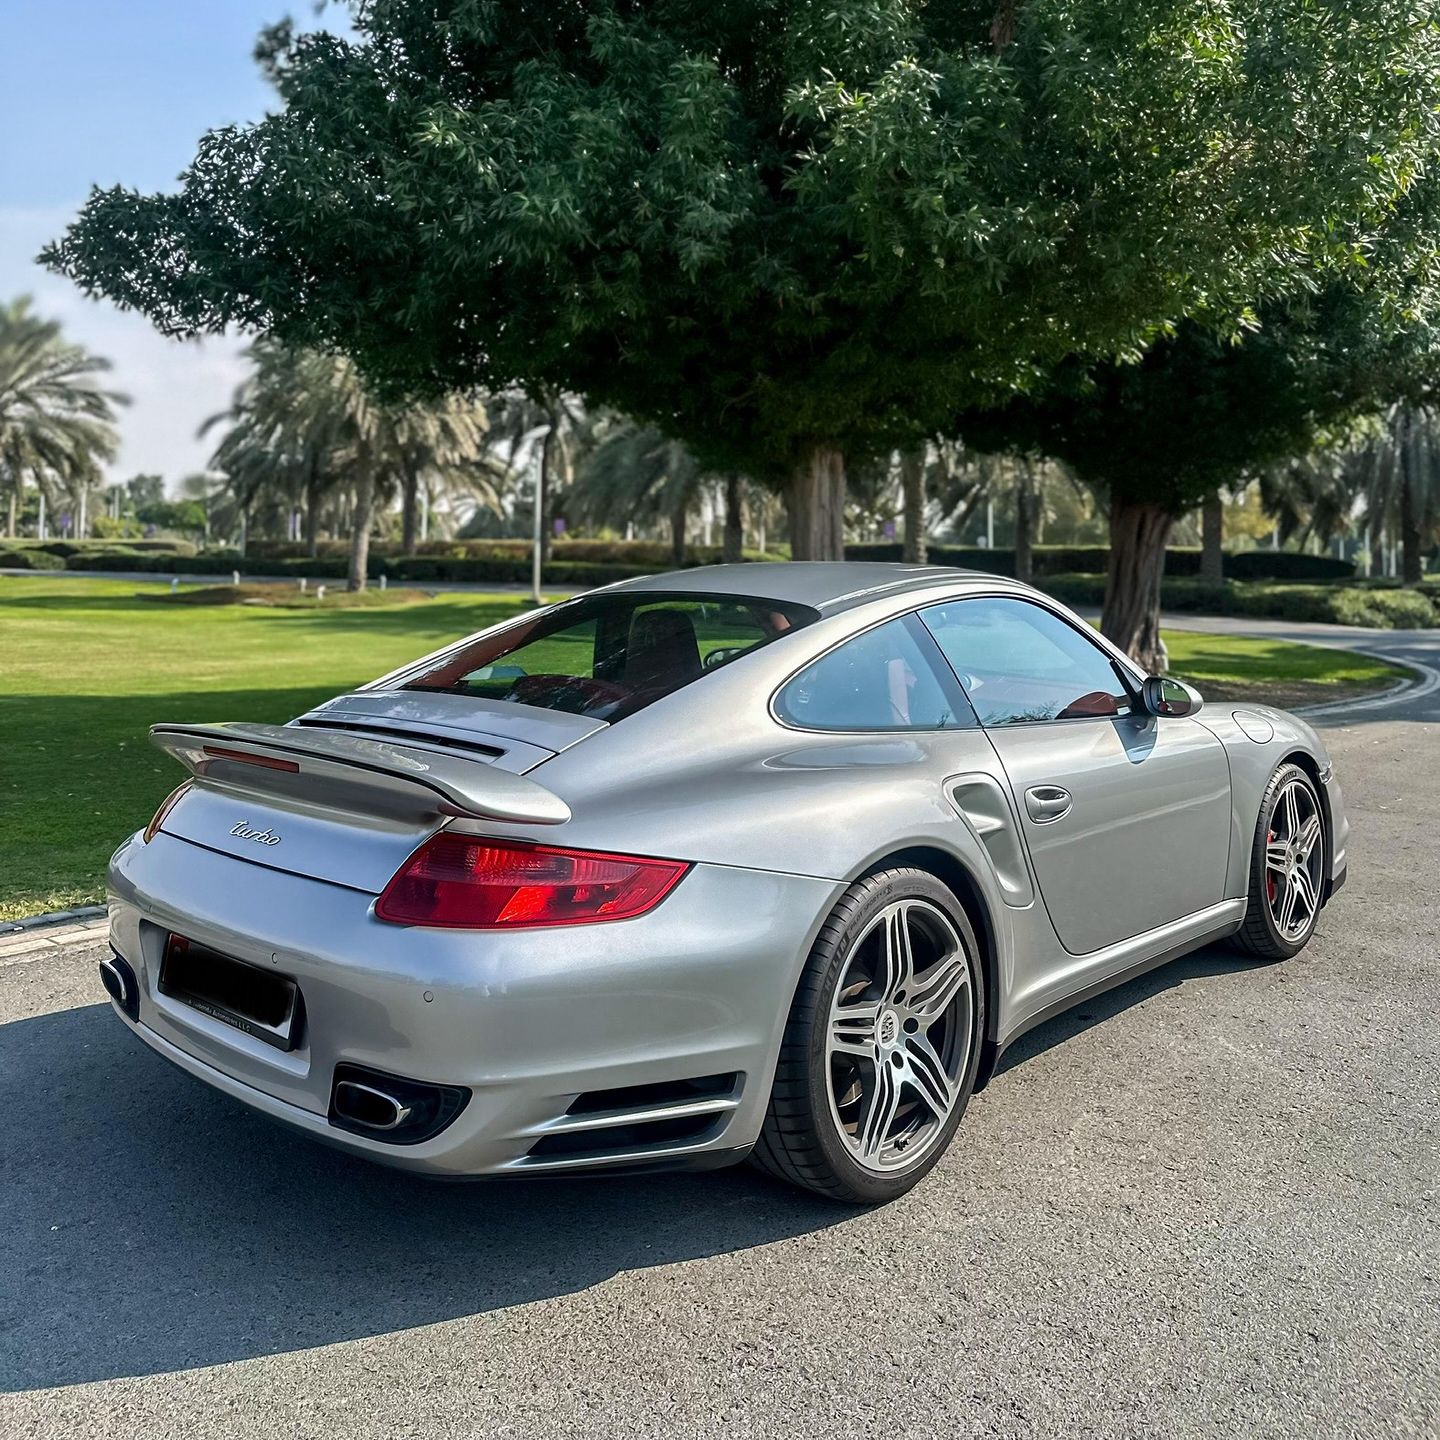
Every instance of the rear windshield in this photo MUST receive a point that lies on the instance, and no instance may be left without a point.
(606, 656)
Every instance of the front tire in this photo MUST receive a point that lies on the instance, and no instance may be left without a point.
(880, 1052)
(1287, 868)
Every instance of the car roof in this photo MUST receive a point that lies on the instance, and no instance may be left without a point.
(829, 586)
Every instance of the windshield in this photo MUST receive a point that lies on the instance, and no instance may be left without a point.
(607, 656)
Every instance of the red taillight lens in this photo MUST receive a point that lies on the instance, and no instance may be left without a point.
(464, 882)
(166, 806)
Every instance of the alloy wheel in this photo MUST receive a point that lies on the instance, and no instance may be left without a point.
(1294, 858)
(899, 1035)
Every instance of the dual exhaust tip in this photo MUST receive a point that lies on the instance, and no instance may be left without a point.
(390, 1108)
(368, 1106)
(363, 1101)
(121, 985)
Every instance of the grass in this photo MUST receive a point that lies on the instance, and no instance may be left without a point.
(88, 665)
(1225, 664)
(326, 595)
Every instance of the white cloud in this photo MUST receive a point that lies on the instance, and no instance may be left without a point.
(173, 385)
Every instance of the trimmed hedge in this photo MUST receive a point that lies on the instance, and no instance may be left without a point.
(1325, 604)
(217, 562)
(1286, 565)
(1180, 561)
(66, 548)
(30, 559)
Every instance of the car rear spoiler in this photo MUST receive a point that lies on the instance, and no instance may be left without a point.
(324, 764)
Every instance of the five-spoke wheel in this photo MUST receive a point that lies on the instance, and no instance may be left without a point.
(1287, 874)
(881, 1049)
(899, 1034)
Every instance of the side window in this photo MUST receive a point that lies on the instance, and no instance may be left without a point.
(1019, 663)
(881, 680)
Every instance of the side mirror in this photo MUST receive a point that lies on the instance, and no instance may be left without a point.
(1170, 699)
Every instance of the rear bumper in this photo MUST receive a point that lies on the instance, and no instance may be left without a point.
(527, 1021)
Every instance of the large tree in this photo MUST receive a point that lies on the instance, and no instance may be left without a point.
(1159, 436)
(782, 231)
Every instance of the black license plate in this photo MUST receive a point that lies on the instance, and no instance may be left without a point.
(259, 1002)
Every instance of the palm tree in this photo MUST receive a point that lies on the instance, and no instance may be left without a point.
(57, 426)
(305, 424)
(634, 473)
(1402, 488)
(563, 432)
(1387, 471)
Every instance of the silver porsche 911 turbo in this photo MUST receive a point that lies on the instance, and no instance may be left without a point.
(758, 860)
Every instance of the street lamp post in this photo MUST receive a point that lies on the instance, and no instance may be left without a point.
(539, 520)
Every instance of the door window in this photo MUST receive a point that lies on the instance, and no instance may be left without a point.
(1021, 664)
(885, 679)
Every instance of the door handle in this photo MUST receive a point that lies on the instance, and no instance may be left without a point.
(1047, 803)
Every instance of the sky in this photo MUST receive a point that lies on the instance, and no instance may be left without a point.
(102, 93)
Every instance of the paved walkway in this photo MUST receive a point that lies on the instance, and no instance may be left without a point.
(36, 942)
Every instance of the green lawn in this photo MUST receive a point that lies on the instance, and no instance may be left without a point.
(87, 667)
(1227, 664)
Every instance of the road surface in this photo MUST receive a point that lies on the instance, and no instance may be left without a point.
(1207, 1203)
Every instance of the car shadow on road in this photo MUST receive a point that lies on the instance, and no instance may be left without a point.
(150, 1224)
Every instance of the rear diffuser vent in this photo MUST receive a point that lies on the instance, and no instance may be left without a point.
(670, 1092)
(639, 1121)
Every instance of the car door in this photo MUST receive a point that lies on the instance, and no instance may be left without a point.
(1126, 816)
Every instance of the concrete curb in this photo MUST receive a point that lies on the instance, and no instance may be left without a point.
(52, 917)
(1398, 690)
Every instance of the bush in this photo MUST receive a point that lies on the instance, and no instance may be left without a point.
(578, 573)
(217, 562)
(66, 548)
(1046, 560)
(1324, 604)
(1286, 565)
(30, 559)
(1182, 562)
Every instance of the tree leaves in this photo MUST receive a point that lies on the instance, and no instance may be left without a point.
(766, 226)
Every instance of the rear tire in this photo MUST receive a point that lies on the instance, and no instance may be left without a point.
(1287, 868)
(880, 1052)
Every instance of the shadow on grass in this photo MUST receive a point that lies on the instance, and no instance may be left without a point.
(449, 611)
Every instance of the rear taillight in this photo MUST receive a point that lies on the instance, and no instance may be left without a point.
(166, 806)
(464, 882)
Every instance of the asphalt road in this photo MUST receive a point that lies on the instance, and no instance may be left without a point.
(1205, 1204)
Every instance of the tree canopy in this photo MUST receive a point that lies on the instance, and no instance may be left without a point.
(782, 231)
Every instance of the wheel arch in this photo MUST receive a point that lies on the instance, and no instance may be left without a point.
(958, 878)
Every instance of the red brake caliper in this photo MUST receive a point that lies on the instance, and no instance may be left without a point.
(1269, 874)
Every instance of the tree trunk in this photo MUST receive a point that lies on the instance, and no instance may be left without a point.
(1024, 520)
(409, 506)
(312, 514)
(733, 550)
(1412, 541)
(815, 500)
(1138, 534)
(1212, 540)
(10, 527)
(912, 489)
(360, 520)
(677, 536)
